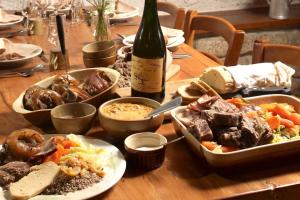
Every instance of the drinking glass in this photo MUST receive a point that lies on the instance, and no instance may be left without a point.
(56, 4)
(76, 11)
(27, 7)
(43, 5)
(52, 29)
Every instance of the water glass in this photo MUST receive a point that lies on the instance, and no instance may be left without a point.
(43, 5)
(76, 11)
(52, 29)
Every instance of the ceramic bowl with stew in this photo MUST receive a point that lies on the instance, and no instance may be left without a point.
(121, 123)
(73, 118)
(145, 150)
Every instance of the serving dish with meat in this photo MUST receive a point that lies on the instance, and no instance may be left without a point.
(35, 166)
(93, 86)
(239, 131)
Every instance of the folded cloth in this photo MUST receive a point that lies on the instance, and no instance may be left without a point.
(171, 32)
(6, 17)
(13, 51)
(261, 75)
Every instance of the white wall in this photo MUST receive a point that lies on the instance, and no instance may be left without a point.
(209, 5)
(200, 5)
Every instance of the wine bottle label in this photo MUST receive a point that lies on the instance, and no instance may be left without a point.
(147, 74)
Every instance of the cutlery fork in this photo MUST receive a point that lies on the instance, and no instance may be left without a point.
(25, 73)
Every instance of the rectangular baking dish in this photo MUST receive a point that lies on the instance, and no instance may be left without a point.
(249, 155)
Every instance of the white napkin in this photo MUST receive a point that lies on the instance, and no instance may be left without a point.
(171, 32)
(12, 51)
(261, 75)
(6, 18)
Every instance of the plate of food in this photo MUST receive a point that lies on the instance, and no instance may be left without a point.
(124, 12)
(16, 54)
(238, 131)
(8, 20)
(57, 166)
(91, 85)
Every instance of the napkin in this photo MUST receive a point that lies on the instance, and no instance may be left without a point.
(6, 18)
(261, 75)
(13, 51)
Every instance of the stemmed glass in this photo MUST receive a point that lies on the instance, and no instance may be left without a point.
(56, 4)
(27, 6)
(43, 5)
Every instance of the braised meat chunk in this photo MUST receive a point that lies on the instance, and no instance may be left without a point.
(96, 83)
(201, 130)
(13, 171)
(37, 98)
(228, 125)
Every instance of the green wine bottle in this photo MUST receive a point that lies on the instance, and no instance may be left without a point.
(148, 69)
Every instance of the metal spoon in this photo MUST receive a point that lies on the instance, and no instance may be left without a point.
(175, 140)
(166, 107)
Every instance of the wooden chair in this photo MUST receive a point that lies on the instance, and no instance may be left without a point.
(175, 17)
(263, 51)
(219, 27)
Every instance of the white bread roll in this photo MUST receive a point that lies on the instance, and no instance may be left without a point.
(35, 182)
(219, 79)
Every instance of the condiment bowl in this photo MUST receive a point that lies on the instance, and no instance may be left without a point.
(101, 49)
(99, 62)
(145, 150)
(120, 129)
(73, 118)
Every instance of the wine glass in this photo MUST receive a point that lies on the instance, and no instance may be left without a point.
(43, 5)
(27, 7)
(56, 4)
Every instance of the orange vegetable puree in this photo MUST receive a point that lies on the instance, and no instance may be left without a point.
(127, 111)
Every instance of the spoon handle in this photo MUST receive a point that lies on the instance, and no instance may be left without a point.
(175, 140)
(166, 107)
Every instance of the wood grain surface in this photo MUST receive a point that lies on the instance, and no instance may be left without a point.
(183, 175)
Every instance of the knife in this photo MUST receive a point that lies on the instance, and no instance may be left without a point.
(61, 35)
(247, 92)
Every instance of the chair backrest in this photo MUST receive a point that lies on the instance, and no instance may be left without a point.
(263, 51)
(218, 26)
(175, 17)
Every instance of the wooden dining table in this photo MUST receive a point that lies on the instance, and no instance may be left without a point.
(183, 175)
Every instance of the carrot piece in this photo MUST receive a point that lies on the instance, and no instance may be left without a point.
(295, 117)
(287, 123)
(273, 122)
(226, 149)
(67, 144)
(238, 102)
(251, 114)
(268, 106)
(209, 145)
(281, 111)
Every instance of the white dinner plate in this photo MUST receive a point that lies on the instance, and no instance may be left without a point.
(17, 62)
(113, 173)
(10, 24)
(172, 41)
